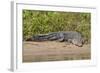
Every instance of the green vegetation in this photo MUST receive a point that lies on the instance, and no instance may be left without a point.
(40, 22)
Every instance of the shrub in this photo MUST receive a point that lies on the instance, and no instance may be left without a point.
(40, 22)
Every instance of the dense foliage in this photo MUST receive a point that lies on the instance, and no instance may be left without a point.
(40, 22)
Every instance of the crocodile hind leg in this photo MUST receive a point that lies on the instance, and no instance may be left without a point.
(61, 37)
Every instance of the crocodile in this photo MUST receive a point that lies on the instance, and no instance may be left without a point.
(64, 36)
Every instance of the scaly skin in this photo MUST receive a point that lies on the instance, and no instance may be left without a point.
(68, 36)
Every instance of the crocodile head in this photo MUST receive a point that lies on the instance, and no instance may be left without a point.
(78, 42)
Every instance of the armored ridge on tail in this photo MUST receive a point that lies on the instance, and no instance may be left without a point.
(47, 37)
(68, 36)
